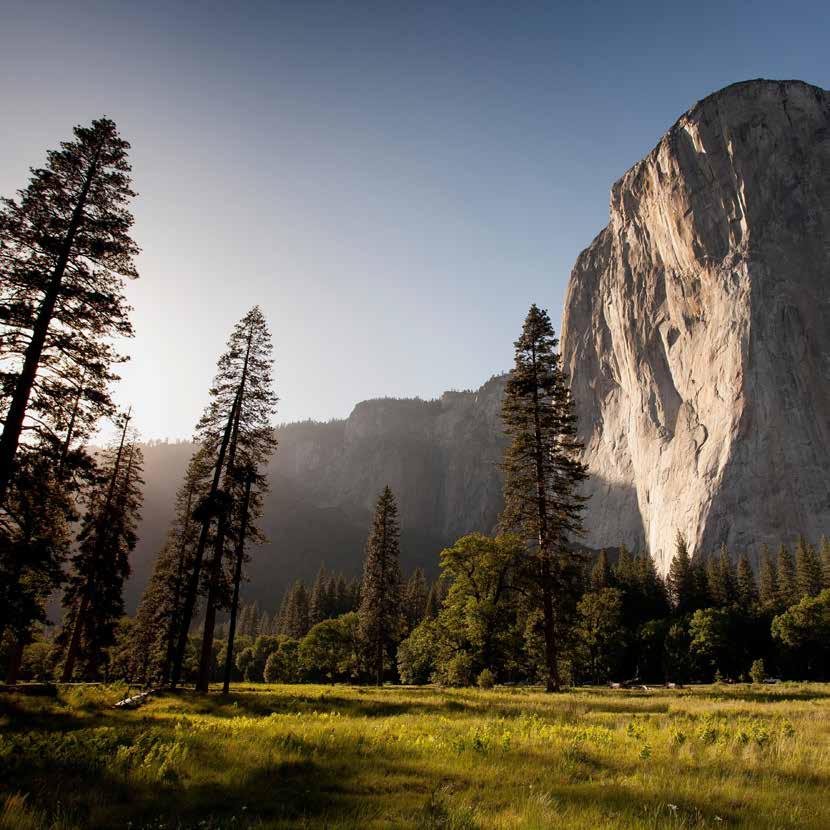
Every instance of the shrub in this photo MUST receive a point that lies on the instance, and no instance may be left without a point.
(486, 680)
(757, 671)
(282, 665)
(458, 670)
(417, 654)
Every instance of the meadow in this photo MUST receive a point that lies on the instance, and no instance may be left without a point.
(418, 757)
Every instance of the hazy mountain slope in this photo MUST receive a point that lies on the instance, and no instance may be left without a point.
(440, 458)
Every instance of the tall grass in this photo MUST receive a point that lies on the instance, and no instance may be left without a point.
(346, 757)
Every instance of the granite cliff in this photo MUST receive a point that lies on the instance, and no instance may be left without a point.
(696, 330)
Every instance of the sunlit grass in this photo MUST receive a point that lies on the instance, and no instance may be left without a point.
(348, 757)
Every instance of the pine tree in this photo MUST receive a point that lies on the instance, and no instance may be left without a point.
(722, 579)
(602, 576)
(624, 568)
(35, 540)
(319, 608)
(747, 590)
(655, 601)
(768, 582)
(434, 598)
(415, 598)
(235, 431)
(65, 249)
(808, 569)
(296, 613)
(94, 592)
(786, 578)
(159, 613)
(342, 597)
(281, 617)
(681, 579)
(825, 562)
(542, 476)
(249, 508)
(380, 595)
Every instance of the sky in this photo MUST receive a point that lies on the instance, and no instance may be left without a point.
(394, 183)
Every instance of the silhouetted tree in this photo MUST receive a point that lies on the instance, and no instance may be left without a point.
(825, 562)
(296, 624)
(159, 614)
(319, 607)
(807, 569)
(415, 598)
(94, 592)
(767, 582)
(380, 595)
(601, 574)
(681, 581)
(542, 474)
(747, 591)
(65, 249)
(786, 578)
(35, 540)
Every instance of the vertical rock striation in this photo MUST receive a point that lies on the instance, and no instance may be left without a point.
(696, 330)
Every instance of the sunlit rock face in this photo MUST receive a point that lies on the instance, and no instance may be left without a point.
(696, 330)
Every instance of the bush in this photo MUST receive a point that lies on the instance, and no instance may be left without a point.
(486, 680)
(757, 671)
(330, 650)
(457, 671)
(417, 654)
(282, 665)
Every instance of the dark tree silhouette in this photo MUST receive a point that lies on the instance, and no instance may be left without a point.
(234, 429)
(380, 593)
(543, 473)
(94, 593)
(65, 249)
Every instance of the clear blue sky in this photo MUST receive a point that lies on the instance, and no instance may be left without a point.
(393, 182)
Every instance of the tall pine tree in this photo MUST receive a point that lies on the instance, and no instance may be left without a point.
(94, 593)
(160, 611)
(235, 432)
(542, 474)
(65, 250)
(786, 578)
(808, 572)
(380, 594)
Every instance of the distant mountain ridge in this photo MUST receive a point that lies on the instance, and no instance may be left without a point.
(440, 457)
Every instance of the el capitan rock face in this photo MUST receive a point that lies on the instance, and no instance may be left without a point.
(696, 330)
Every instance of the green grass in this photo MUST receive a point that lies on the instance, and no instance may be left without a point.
(351, 757)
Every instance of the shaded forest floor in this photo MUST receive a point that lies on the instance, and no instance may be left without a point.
(399, 757)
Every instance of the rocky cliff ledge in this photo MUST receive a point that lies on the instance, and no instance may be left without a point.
(696, 329)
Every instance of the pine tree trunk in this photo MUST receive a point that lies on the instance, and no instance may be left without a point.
(70, 430)
(237, 578)
(13, 423)
(229, 439)
(193, 584)
(206, 659)
(75, 641)
(551, 656)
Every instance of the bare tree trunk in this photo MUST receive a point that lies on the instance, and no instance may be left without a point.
(206, 659)
(237, 578)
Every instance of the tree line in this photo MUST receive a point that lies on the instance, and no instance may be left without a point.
(524, 604)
